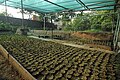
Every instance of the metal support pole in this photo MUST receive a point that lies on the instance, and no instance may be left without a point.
(116, 35)
(44, 25)
(6, 11)
(52, 27)
(118, 32)
(113, 22)
(22, 14)
(115, 32)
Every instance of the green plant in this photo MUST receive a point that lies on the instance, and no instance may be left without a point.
(48, 60)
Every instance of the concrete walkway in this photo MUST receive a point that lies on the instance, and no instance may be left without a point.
(71, 44)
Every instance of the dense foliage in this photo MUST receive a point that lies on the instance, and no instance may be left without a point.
(94, 21)
(52, 61)
(5, 26)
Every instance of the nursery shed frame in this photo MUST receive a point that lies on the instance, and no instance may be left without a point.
(50, 6)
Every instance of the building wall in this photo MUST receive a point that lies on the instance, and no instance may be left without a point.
(27, 23)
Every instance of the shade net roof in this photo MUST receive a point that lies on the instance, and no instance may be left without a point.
(48, 6)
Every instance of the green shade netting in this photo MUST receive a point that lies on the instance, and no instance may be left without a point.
(48, 6)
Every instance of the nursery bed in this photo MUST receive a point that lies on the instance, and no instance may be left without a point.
(46, 60)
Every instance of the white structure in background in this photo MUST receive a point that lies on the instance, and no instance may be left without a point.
(59, 24)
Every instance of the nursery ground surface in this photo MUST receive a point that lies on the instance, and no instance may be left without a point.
(93, 36)
(47, 60)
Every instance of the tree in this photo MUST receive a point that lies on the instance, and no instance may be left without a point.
(41, 17)
(81, 22)
(102, 20)
(65, 20)
(5, 26)
(2, 14)
(26, 11)
(95, 20)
